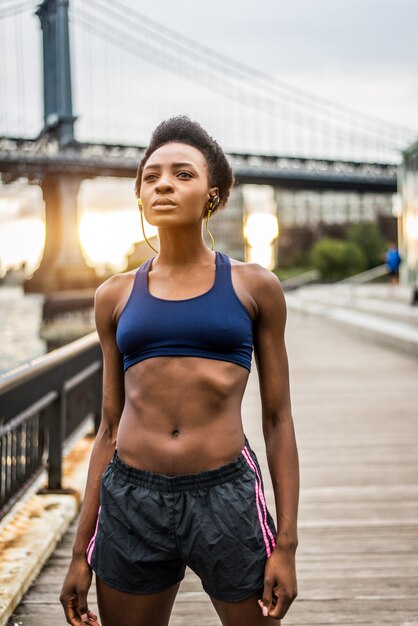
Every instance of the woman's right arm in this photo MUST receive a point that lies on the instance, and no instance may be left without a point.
(77, 582)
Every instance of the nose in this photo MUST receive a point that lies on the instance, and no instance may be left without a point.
(164, 184)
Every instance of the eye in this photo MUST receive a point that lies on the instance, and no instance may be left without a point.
(149, 177)
(186, 175)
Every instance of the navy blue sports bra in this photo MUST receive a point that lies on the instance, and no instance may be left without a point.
(214, 325)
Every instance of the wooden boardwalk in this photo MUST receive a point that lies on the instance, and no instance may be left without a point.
(355, 408)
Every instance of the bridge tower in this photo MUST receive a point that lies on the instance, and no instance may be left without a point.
(63, 266)
(58, 105)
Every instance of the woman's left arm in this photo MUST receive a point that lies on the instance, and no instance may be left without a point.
(280, 587)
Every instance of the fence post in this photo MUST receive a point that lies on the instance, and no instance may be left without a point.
(56, 423)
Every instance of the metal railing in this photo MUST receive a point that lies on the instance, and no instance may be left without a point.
(365, 277)
(300, 280)
(42, 403)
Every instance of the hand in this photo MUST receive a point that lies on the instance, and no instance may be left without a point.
(90, 618)
(74, 592)
(280, 587)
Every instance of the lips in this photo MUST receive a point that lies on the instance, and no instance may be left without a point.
(163, 202)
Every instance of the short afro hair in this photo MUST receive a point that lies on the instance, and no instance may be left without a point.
(181, 129)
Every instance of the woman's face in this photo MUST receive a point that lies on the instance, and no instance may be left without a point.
(175, 185)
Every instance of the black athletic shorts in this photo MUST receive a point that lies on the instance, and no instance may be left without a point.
(150, 526)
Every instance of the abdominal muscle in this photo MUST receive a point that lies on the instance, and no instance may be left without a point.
(182, 415)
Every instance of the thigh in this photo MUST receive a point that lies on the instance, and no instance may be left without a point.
(245, 613)
(117, 608)
(228, 535)
(134, 549)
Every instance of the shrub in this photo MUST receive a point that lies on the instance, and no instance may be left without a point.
(337, 259)
(368, 237)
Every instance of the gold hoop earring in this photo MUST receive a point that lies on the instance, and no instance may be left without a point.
(207, 220)
(142, 225)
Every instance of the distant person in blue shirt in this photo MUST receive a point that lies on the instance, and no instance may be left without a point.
(393, 260)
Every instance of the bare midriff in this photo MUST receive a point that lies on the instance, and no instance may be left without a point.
(182, 415)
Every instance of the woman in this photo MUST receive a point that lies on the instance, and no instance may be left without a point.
(172, 479)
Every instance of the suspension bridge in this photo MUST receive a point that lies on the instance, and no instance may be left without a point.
(115, 59)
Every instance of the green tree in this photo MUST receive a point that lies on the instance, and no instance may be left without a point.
(367, 236)
(337, 259)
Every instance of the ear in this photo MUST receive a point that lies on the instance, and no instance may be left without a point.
(213, 191)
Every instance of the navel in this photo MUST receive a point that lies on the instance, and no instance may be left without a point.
(175, 433)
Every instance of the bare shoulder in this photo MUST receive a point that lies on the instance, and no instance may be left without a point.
(110, 293)
(261, 282)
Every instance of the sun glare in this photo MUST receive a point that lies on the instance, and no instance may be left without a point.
(22, 240)
(107, 237)
(260, 231)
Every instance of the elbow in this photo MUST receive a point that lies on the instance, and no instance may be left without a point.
(108, 432)
(277, 418)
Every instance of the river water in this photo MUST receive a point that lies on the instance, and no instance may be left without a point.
(20, 319)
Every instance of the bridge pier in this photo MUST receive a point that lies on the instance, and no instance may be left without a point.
(63, 266)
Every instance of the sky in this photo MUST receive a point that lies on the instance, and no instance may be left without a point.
(362, 53)
(358, 52)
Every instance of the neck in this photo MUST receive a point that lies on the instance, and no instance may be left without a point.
(182, 247)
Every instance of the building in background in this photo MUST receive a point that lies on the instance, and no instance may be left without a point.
(408, 214)
(277, 227)
(306, 216)
(226, 226)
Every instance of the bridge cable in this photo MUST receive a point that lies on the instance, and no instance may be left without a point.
(365, 140)
(175, 45)
(20, 69)
(126, 41)
(211, 55)
(16, 8)
(3, 71)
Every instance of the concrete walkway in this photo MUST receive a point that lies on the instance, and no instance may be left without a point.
(355, 407)
(379, 312)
